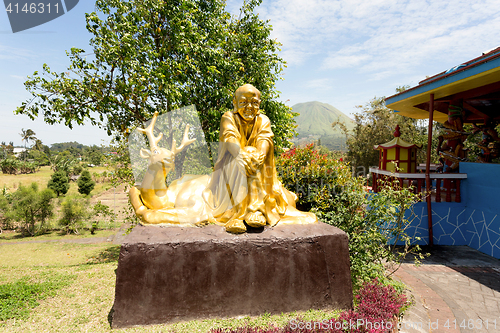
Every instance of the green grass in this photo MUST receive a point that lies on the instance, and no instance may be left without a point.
(71, 289)
(13, 237)
(18, 298)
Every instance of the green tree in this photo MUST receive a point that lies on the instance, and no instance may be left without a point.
(85, 183)
(375, 124)
(31, 206)
(39, 157)
(38, 145)
(59, 183)
(62, 162)
(5, 209)
(27, 135)
(153, 55)
(94, 155)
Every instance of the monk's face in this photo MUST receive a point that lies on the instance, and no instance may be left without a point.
(247, 103)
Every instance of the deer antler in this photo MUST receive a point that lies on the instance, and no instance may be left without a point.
(153, 141)
(185, 142)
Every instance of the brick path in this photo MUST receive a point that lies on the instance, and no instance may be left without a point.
(455, 292)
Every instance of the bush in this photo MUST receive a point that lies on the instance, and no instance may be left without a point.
(101, 177)
(85, 183)
(28, 167)
(314, 177)
(74, 213)
(9, 166)
(30, 206)
(39, 157)
(5, 210)
(59, 183)
(326, 187)
(62, 162)
(101, 211)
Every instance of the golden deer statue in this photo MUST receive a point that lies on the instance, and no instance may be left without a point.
(155, 202)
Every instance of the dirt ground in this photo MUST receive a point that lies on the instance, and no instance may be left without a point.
(115, 198)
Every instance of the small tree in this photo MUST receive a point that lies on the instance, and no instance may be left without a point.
(85, 183)
(59, 183)
(74, 212)
(5, 210)
(30, 206)
(62, 162)
(101, 211)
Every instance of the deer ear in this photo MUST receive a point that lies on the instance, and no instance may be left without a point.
(145, 153)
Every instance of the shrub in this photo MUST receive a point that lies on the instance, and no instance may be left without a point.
(85, 183)
(39, 157)
(59, 183)
(62, 162)
(9, 166)
(314, 177)
(326, 187)
(28, 167)
(5, 210)
(30, 206)
(101, 211)
(74, 213)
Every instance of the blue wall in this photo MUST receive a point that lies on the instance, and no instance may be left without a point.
(474, 222)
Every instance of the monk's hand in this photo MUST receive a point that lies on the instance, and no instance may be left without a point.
(248, 163)
(258, 159)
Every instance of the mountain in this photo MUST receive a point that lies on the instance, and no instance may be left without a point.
(315, 123)
(316, 118)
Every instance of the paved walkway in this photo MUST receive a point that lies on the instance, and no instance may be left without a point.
(456, 289)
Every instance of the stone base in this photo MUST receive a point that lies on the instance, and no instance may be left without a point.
(172, 274)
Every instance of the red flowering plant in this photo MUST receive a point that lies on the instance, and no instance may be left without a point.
(378, 307)
(327, 187)
(313, 176)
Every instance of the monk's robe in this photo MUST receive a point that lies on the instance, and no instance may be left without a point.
(232, 194)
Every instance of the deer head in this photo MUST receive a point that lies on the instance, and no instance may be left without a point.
(162, 158)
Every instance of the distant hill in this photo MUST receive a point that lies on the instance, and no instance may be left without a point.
(315, 122)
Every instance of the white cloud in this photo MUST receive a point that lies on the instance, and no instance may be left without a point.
(8, 52)
(383, 37)
(321, 84)
(18, 77)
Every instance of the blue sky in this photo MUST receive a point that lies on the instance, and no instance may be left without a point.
(338, 52)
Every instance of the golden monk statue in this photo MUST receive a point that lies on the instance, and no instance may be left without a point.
(243, 191)
(244, 185)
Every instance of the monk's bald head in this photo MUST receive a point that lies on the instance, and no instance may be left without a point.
(246, 88)
(246, 102)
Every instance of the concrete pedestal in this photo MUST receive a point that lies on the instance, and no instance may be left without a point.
(172, 274)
